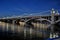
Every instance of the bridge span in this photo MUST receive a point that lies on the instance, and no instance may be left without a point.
(42, 22)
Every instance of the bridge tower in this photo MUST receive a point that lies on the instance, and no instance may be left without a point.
(52, 16)
(52, 22)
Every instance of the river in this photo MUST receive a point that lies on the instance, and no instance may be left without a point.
(17, 32)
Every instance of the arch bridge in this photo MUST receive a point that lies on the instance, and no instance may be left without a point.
(43, 22)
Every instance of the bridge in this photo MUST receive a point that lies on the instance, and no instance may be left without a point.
(50, 20)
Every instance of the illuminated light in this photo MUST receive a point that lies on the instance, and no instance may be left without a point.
(53, 11)
(51, 36)
(7, 26)
(24, 32)
(0, 22)
(57, 35)
(54, 35)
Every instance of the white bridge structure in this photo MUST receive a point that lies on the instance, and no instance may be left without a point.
(53, 21)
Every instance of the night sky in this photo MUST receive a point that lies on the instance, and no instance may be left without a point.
(19, 7)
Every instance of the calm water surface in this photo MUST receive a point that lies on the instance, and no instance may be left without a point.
(17, 32)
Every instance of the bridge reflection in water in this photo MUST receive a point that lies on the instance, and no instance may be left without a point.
(12, 31)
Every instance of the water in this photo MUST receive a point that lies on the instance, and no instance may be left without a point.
(20, 32)
(17, 32)
(11, 31)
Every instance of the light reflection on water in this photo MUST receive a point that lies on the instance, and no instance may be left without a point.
(10, 27)
(21, 30)
(17, 29)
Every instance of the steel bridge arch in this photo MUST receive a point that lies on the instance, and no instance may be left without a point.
(42, 19)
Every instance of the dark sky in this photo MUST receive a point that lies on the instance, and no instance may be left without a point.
(19, 7)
